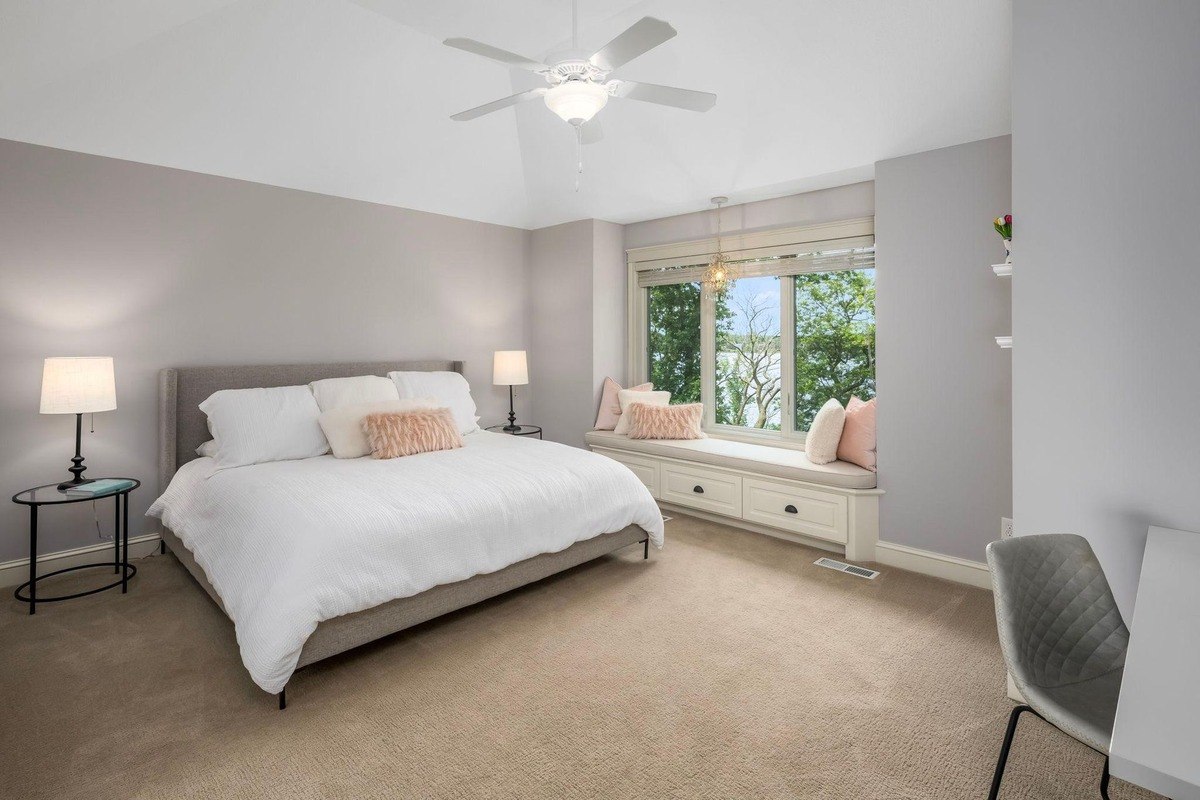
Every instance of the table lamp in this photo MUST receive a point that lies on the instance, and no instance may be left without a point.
(510, 368)
(78, 386)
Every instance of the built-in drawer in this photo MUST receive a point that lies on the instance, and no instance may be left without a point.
(811, 512)
(707, 490)
(646, 469)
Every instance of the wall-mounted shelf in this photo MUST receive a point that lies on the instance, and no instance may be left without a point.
(1003, 271)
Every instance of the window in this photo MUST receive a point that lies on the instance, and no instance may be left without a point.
(835, 339)
(673, 340)
(748, 380)
(795, 330)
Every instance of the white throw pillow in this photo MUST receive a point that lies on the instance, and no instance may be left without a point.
(821, 444)
(253, 426)
(450, 389)
(627, 397)
(334, 393)
(343, 426)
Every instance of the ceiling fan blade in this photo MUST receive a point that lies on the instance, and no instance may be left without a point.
(665, 95)
(496, 105)
(496, 54)
(592, 132)
(645, 34)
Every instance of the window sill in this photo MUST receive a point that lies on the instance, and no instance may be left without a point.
(769, 439)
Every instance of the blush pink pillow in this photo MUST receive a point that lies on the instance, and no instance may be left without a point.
(858, 434)
(610, 406)
(665, 422)
(410, 432)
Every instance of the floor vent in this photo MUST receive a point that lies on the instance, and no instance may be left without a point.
(861, 572)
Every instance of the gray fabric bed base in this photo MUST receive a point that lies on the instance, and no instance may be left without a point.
(344, 633)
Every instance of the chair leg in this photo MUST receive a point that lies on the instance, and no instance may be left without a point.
(1104, 780)
(1008, 740)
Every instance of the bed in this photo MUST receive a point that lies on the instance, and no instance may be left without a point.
(315, 557)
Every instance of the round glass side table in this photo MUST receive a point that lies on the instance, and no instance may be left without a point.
(522, 430)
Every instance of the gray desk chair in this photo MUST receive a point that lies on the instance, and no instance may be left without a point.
(1062, 636)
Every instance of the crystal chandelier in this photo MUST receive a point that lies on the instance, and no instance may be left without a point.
(720, 274)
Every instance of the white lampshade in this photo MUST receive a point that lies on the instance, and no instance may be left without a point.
(78, 385)
(510, 368)
(576, 101)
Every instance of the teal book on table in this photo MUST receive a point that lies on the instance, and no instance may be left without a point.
(100, 487)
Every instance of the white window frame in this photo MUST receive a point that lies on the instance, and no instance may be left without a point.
(760, 244)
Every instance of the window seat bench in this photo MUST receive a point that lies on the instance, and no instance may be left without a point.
(771, 490)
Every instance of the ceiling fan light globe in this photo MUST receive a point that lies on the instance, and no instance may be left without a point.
(576, 102)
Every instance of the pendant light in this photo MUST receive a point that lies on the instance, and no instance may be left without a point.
(720, 274)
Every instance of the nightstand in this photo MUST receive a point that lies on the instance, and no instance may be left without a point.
(49, 495)
(522, 430)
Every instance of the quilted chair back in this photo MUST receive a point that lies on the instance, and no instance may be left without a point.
(1057, 618)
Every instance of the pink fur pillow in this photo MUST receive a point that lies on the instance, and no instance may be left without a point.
(407, 433)
(610, 406)
(648, 421)
(857, 444)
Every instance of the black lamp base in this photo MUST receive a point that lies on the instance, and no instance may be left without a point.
(77, 468)
(512, 426)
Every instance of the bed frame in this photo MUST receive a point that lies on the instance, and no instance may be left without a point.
(183, 427)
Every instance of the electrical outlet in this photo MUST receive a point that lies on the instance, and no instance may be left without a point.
(1006, 528)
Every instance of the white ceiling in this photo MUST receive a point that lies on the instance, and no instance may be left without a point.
(353, 97)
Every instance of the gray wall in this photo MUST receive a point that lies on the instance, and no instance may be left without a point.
(560, 307)
(577, 325)
(944, 385)
(1106, 194)
(610, 330)
(159, 267)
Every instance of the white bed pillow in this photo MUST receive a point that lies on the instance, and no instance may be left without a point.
(449, 389)
(627, 397)
(334, 393)
(343, 426)
(254, 426)
(208, 449)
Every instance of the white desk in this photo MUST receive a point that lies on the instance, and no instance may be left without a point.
(1156, 736)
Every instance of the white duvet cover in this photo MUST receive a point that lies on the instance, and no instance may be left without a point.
(289, 544)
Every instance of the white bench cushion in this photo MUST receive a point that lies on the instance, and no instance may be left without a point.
(777, 462)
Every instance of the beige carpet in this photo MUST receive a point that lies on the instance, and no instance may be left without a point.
(727, 666)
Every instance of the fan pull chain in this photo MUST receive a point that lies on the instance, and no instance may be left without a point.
(579, 150)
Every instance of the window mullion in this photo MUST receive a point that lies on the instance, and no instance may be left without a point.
(787, 355)
(708, 355)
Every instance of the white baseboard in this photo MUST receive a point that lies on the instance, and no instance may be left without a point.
(14, 573)
(959, 570)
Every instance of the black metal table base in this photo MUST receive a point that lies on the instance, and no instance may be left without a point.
(120, 563)
(123, 582)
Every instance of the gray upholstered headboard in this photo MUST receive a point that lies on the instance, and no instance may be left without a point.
(182, 426)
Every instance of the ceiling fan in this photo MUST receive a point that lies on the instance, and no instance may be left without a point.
(579, 84)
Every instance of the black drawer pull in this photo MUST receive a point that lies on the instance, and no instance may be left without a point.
(698, 489)
(790, 509)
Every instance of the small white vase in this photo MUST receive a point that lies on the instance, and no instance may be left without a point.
(1008, 251)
